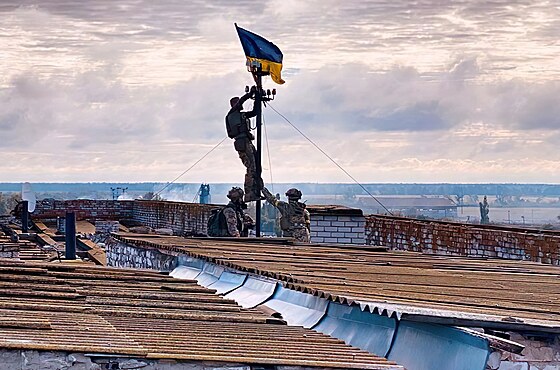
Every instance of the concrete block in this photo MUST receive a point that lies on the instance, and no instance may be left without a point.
(331, 218)
(351, 224)
(344, 240)
(324, 223)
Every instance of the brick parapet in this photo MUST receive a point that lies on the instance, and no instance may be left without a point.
(329, 224)
(338, 228)
(462, 239)
(85, 209)
(182, 218)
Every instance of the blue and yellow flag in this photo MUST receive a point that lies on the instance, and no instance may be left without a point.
(259, 49)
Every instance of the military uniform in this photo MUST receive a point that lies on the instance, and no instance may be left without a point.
(236, 220)
(295, 221)
(238, 124)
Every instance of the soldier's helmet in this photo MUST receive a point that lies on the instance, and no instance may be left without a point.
(293, 193)
(235, 193)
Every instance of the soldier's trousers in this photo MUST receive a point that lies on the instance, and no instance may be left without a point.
(247, 154)
(299, 234)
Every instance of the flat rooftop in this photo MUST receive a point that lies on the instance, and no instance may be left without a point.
(93, 309)
(505, 294)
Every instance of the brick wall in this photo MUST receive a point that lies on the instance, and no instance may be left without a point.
(182, 218)
(336, 224)
(437, 237)
(540, 353)
(85, 209)
(329, 224)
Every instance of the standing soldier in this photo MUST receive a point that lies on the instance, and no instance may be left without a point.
(238, 125)
(295, 221)
(231, 220)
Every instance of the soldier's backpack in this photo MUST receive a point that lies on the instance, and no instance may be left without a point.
(217, 224)
(234, 123)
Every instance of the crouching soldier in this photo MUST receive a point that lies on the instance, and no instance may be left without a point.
(231, 220)
(295, 221)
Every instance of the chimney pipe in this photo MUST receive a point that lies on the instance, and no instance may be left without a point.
(25, 217)
(70, 236)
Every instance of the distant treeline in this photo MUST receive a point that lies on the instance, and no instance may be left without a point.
(538, 190)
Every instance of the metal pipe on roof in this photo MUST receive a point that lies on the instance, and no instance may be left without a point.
(70, 236)
(25, 216)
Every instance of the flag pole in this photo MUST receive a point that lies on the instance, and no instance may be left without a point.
(258, 100)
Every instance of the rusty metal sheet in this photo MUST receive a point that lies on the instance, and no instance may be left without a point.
(439, 289)
(227, 282)
(253, 292)
(145, 314)
(298, 309)
(422, 346)
(365, 330)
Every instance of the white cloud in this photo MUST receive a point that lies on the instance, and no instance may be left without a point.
(137, 91)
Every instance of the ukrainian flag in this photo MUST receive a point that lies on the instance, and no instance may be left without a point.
(259, 49)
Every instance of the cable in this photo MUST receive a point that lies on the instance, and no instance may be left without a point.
(268, 154)
(196, 195)
(329, 157)
(191, 167)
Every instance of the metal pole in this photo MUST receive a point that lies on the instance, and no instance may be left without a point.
(70, 236)
(258, 100)
(25, 216)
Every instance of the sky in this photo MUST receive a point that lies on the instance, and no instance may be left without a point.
(393, 91)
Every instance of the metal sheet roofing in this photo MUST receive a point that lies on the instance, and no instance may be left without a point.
(449, 290)
(65, 307)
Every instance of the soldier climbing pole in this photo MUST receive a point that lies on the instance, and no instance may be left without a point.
(263, 59)
(261, 97)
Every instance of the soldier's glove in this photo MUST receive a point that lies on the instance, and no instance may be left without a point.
(248, 222)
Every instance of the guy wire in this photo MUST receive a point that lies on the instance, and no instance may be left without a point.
(329, 157)
(268, 154)
(191, 167)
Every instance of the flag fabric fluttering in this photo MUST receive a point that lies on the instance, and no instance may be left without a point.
(259, 49)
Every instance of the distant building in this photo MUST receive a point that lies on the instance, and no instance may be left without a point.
(410, 206)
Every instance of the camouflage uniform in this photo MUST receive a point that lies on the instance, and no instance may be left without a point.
(243, 144)
(295, 220)
(237, 221)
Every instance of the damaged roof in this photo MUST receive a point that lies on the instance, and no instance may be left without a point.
(440, 289)
(93, 309)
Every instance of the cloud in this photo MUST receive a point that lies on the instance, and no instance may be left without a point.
(138, 90)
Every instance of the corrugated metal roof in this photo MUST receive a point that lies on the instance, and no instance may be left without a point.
(450, 290)
(63, 307)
